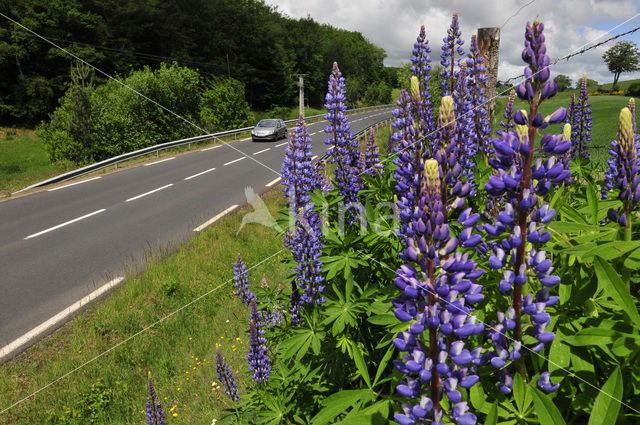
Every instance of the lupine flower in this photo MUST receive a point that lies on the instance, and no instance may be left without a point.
(477, 77)
(154, 407)
(508, 123)
(581, 123)
(452, 45)
(421, 68)
(408, 159)
(225, 376)
(275, 317)
(259, 362)
(465, 127)
(306, 246)
(299, 176)
(437, 299)
(296, 305)
(345, 152)
(241, 282)
(571, 111)
(448, 155)
(626, 158)
(524, 214)
(372, 164)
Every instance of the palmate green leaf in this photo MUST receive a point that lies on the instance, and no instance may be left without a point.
(338, 403)
(572, 213)
(607, 405)
(355, 352)
(383, 319)
(612, 285)
(383, 364)
(298, 344)
(559, 353)
(546, 410)
(492, 416)
(521, 394)
(591, 336)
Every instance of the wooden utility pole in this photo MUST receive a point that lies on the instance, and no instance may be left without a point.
(489, 44)
(301, 92)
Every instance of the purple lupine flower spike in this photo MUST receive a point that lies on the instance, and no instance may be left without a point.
(372, 164)
(259, 362)
(452, 46)
(421, 68)
(437, 294)
(296, 305)
(508, 123)
(466, 138)
(581, 123)
(154, 413)
(241, 282)
(611, 174)
(627, 180)
(478, 79)
(225, 376)
(520, 226)
(345, 152)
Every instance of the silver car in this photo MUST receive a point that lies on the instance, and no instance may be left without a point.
(269, 129)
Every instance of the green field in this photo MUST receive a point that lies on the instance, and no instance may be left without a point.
(179, 352)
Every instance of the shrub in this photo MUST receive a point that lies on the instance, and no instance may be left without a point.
(223, 106)
(121, 120)
(634, 89)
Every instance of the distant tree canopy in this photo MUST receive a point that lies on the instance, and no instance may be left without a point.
(242, 39)
(563, 82)
(622, 57)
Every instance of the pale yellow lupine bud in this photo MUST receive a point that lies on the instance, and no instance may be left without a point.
(625, 129)
(522, 131)
(431, 172)
(566, 132)
(415, 87)
(446, 110)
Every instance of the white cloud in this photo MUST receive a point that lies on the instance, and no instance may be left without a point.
(394, 25)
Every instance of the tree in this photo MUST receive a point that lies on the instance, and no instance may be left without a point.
(622, 57)
(223, 106)
(563, 82)
(592, 85)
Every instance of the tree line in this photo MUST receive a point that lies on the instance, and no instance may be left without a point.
(245, 40)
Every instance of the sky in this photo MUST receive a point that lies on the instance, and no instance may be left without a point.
(569, 26)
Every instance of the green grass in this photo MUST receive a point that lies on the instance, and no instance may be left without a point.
(24, 160)
(622, 85)
(179, 352)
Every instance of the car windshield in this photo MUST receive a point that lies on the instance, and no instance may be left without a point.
(267, 123)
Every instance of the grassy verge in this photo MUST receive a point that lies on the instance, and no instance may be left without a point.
(24, 160)
(179, 352)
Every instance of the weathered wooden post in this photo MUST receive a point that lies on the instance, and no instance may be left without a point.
(489, 44)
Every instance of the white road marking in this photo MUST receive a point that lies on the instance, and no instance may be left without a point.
(281, 144)
(314, 157)
(272, 182)
(311, 134)
(208, 149)
(73, 184)
(235, 160)
(158, 162)
(64, 224)
(214, 219)
(58, 318)
(330, 148)
(149, 192)
(263, 150)
(199, 174)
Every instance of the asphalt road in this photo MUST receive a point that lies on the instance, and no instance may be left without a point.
(57, 246)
